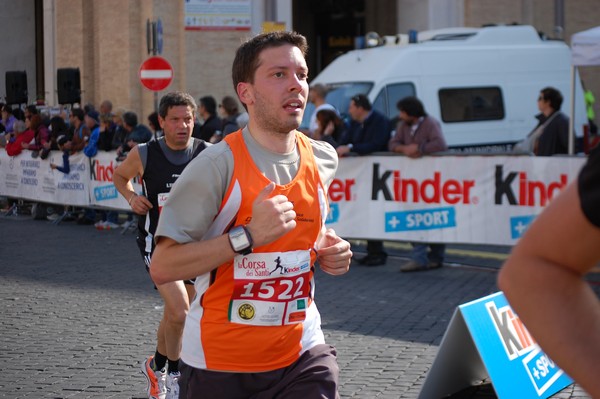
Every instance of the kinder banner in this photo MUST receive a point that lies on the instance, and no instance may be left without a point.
(102, 191)
(33, 179)
(89, 182)
(450, 199)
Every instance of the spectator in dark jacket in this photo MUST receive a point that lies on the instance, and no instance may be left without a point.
(369, 132)
(207, 110)
(554, 138)
(81, 133)
(136, 133)
(120, 133)
(230, 112)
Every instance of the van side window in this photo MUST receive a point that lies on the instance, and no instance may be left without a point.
(389, 96)
(471, 104)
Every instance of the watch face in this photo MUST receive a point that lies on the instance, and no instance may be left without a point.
(239, 239)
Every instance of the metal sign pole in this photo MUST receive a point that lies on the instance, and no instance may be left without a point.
(154, 42)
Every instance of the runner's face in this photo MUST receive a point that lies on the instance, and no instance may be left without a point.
(177, 126)
(280, 89)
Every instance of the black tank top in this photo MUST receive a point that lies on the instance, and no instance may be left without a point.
(589, 187)
(159, 176)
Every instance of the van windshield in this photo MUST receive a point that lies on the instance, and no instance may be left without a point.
(339, 96)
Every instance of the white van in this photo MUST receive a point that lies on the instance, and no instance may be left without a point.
(482, 84)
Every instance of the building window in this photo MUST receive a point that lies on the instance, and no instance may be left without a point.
(471, 104)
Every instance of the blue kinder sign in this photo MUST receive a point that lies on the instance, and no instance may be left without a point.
(486, 339)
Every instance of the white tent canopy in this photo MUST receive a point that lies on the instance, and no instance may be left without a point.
(585, 47)
(585, 51)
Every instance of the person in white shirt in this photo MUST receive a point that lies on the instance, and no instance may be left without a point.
(317, 95)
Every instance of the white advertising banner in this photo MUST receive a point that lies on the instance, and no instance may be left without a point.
(467, 199)
(33, 179)
(450, 199)
(89, 182)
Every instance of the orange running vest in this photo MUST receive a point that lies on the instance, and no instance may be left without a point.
(256, 312)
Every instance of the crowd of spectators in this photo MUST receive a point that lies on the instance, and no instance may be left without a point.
(69, 131)
(87, 129)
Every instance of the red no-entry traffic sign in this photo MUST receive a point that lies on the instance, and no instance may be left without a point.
(156, 73)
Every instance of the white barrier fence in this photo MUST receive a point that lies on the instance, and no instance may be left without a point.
(89, 182)
(489, 199)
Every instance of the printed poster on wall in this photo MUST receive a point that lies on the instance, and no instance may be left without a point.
(218, 15)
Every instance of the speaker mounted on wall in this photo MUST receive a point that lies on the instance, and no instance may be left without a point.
(68, 83)
(16, 87)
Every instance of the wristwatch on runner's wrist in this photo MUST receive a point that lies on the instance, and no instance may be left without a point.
(240, 240)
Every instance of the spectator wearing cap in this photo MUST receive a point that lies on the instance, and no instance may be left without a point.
(92, 121)
(66, 166)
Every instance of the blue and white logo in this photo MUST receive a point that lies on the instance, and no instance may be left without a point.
(105, 192)
(424, 219)
(519, 224)
(334, 213)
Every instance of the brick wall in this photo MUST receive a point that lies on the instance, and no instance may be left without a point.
(107, 41)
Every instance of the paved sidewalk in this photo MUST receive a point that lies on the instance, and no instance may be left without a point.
(79, 314)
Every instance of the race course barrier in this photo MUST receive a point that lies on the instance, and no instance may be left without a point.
(471, 199)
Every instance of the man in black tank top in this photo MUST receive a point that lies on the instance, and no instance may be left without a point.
(158, 164)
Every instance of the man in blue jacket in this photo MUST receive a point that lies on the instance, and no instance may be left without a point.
(368, 132)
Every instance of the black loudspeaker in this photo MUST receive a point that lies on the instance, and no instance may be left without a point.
(16, 87)
(68, 84)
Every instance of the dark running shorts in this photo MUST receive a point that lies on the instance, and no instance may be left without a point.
(314, 375)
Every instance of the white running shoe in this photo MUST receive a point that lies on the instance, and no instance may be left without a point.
(53, 216)
(110, 225)
(156, 380)
(173, 385)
